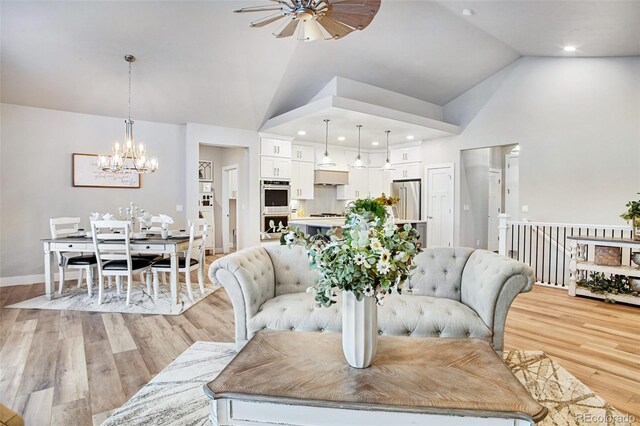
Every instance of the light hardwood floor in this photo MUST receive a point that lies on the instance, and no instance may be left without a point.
(74, 368)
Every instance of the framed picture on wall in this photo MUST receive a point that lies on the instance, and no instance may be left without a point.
(87, 173)
(205, 171)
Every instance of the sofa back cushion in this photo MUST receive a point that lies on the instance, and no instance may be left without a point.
(291, 267)
(438, 272)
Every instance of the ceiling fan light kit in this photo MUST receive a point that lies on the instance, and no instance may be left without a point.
(328, 19)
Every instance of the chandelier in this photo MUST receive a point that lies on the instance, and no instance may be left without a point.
(128, 157)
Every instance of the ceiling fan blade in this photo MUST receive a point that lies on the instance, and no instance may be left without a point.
(352, 20)
(267, 20)
(334, 28)
(258, 9)
(288, 30)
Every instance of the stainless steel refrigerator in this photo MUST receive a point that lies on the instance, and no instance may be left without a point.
(410, 194)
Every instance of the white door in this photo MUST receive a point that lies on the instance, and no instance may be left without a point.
(512, 186)
(439, 206)
(494, 205)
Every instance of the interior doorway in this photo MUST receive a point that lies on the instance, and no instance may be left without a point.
(494, 207)
(229, 207)
(440, 201)
(512, 184)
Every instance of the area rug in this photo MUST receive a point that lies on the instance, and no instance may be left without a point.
(175, 395)
(77, 299)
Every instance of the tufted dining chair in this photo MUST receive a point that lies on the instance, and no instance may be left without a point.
(62, 227)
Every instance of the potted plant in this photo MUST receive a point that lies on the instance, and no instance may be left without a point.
(370, 258)
(632, 215)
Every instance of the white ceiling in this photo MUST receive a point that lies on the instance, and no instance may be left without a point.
(199, 62)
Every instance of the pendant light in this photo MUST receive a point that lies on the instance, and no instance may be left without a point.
(326, 160)
(128, 157)
(387, 164)
(359, 164)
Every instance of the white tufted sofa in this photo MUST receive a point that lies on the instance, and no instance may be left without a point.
(453, 292)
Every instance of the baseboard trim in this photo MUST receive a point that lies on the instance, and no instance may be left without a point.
(34, 279)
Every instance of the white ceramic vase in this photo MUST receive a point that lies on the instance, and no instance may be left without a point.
(359, 329)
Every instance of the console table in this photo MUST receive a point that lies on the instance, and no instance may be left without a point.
(298, 378)
(579, 266)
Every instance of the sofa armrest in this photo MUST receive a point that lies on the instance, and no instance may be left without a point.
(248, 278)
(490, 283)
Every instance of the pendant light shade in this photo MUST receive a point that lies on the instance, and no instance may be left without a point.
(359, 164)
(326, 159)
(387, 165)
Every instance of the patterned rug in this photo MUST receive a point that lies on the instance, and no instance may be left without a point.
(175, 395)
(77, 299)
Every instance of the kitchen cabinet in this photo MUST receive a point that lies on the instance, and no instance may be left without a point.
(275, 148)
(301, 180)
(233, 184)
(409, 154)
(406, 171)
(358, 185)
(379, 182)
(303, 153)
(275, 168)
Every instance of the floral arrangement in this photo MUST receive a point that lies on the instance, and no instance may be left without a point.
(600, 283)
(165, 221)
(371, 257)
(633, 211)
(387, 201)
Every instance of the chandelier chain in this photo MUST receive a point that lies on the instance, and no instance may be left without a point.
(129, 90)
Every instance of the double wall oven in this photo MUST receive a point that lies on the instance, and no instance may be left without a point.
(275, 199)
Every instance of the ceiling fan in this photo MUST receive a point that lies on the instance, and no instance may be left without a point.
(338, 18)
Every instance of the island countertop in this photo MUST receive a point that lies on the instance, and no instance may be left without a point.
(338, 221)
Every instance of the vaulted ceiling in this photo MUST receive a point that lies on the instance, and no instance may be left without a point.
(199, 62)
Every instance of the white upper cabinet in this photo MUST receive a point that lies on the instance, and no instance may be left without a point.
(358, 185)
(406, 171)
(302, 175)
(303, 153)
(275, 148)
(379, 182)
(377, 159)
(275, 168)
(408, 154)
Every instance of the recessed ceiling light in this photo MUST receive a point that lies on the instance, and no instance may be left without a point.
(410, 137)
(467, 12)
(301, 132)
(375, 143)
(569, 48)
(341, 138)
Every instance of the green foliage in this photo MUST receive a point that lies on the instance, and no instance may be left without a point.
(370, 257)
(599, 283)
(633, 211)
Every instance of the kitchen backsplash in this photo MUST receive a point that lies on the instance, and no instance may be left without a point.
(324, 201)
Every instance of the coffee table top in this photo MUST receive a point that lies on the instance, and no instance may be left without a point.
(435, 376)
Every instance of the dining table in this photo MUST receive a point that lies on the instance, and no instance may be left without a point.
(172, 246)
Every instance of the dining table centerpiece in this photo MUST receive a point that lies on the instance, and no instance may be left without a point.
(366, 259)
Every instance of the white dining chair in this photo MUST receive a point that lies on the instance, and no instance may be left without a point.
(112, 242)
(62, 227)
(187, 263)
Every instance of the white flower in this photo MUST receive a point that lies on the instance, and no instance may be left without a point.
(359, 259)
(385, 255)
(164, 219)
(400, 257)
(375, 244)
(288, 238)
(107, 216)
(368, 291)
(383, 267)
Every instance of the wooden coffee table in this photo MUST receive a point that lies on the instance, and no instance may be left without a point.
(297, 378)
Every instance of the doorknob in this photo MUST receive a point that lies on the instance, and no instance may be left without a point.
(429, 217)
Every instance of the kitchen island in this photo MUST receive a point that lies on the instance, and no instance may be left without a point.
(313, 225)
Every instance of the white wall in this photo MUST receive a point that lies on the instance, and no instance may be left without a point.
(248, 174)
(577, 121)
(36, 148)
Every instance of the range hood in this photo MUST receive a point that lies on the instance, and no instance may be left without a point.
(331, 177)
